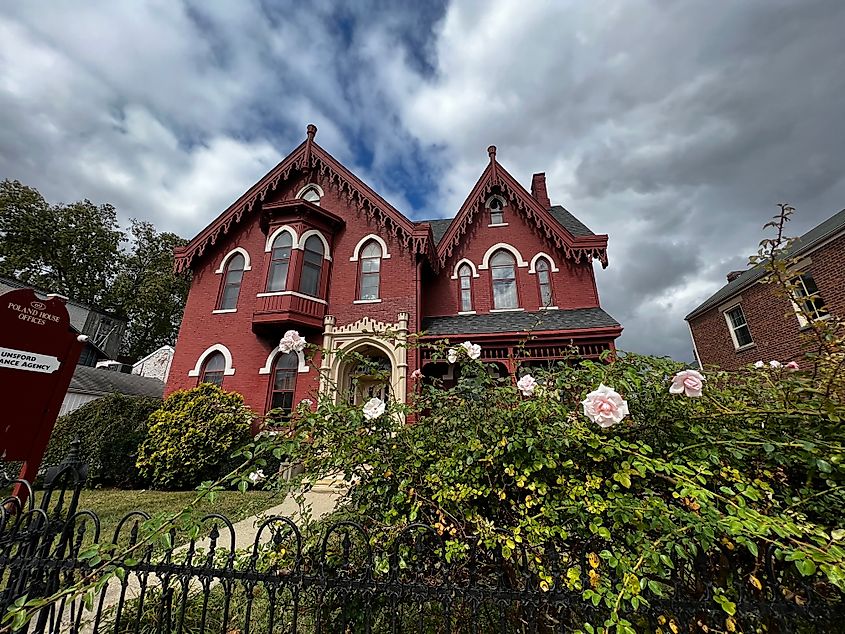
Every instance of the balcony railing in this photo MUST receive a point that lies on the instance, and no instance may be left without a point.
(288, 306)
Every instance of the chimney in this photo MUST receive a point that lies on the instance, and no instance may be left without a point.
(734, 274)
(538, 189)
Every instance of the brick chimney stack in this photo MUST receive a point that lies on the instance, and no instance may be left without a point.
(538, 189)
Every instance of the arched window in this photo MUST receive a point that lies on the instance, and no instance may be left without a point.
(497, 211)
(503, 272)
(232, 283)
(465, 276)
(544, 281)
(312, 267)
(213, 368)
(283, 383)
(369, 271)
(311, 195)
(279, 262)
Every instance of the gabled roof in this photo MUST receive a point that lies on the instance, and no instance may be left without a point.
(520, 322)
(496, 178)
(310, 157)
(100, 382)
(807, 242)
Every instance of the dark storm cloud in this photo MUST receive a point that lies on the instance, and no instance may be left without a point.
(675, 127)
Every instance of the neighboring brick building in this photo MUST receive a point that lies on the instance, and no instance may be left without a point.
(311, 247)
(746, 321)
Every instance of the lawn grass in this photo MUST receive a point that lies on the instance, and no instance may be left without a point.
(111, 505)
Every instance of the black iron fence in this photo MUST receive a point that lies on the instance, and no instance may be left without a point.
(348, 581)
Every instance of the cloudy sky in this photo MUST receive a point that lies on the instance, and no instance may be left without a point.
(675, 127)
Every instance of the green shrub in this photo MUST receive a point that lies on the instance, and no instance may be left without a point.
(192, 436)
(110, 429)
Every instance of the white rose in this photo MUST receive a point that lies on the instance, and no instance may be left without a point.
(257, 476)
(473, 349)
(452, 355)
(605, 406)
(527, 385)
(775, 364)
(758, 364)
(373, 408)
(292, 342)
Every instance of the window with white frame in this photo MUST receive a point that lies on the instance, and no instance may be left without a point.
(311, 195)
(544, 281)
(740, 333)
(503, 273)
(809, 305)
(465, 276)
(497, 211)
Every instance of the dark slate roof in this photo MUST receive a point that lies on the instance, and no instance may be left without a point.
(575, 226)
(89, 380)
(518, 321)
(808, 241)
(439, 226)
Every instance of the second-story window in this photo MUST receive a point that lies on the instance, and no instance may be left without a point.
(312, 267)
(277, 277)
(740, 333)
(808, 301)
(465, 276)
(544, 281)
(497, 212)
(232, 283)
(369, 266)
(503, 272)
(212, 369)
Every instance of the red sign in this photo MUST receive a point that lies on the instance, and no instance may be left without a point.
(38, 353)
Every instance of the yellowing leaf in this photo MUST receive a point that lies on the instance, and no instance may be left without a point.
(755, 582)
(593, 558)
(730, 624)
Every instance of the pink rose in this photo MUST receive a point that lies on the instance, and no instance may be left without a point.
(687, 382)
(792, 365)
(605, 406)
(416, 374)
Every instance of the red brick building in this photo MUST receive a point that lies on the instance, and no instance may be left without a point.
(311, 247)
(746, 321)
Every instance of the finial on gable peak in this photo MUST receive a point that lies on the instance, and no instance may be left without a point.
(311, 131)
(491, 151)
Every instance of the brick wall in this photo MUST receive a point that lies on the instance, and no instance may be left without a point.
(771, 319)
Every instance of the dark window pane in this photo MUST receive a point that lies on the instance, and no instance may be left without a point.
(278, 276)
(743, 336)
(309, 282)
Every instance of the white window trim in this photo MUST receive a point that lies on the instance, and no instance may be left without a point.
(460, 264)
(294, 239)
(271, 360)
(498, 224)
(310, 186)
(385, 255)
(796, 271)
(221, 311)
(532, 268)
(230, 255)
(549, 308)
(493, 197)
(506, 310)
(228, 370)
(730, 325)
(466, 312)
(367, 301)
(313, 232)
(294, 293)
(485, 261)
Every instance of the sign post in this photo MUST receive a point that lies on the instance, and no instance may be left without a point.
(38, 354)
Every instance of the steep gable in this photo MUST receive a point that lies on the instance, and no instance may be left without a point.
(310, 158)
(557, 228)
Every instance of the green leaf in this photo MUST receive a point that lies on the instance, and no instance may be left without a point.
(806, 567)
